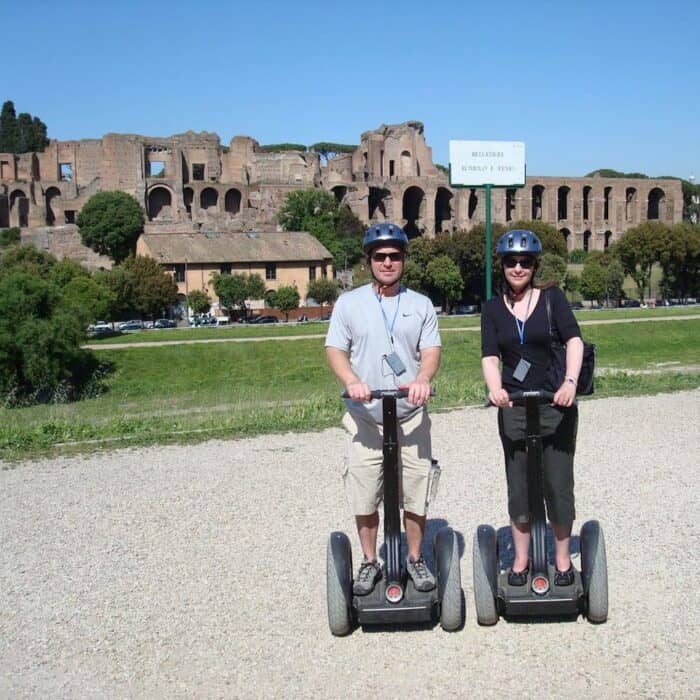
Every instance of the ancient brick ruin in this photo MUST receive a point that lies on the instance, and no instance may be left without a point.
(190, 183)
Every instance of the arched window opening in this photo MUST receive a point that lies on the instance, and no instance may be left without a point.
(158, 198)
(473, 203)
(608, 238)
(630, 203)
(339, 193)
(537, 199)
(563, 203)
(232, 202)
(565, 235)
(606, 202)
(443, 209)
(510, 204)
(655, 204)
(586, 199)
(378, 203)
(413, 210)
(586, 240)
(51, 195)
(209, 198)
(188, 198)
(406, 169)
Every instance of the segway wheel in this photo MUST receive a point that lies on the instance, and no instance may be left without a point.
(594, 571)
(339, 584)
(485, 568)
(446, 550)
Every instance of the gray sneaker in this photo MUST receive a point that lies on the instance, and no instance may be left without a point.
(419, 572)
(370, 572)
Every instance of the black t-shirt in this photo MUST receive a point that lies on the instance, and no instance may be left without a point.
(499, 337)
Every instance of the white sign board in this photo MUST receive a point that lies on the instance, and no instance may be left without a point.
(478, 163)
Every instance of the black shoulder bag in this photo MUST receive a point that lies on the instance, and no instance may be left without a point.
(584, 386)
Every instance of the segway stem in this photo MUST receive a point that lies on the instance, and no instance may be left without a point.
(392, 519)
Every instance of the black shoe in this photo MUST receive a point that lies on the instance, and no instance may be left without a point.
(518, 578)
(564, 578)
(370, 572)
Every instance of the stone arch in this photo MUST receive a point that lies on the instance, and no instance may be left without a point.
(158, 197)
(19, 205)
(586, 202)
(339, 192)
(607, 191)
(232, 201)
(443, 208)
(510, 203)
(607, 239)
(566, 234)
(208, 198)
(472, 203)
(630, 203)
(51, 194)
(187, 199)
(586, 240)
(656, 202)
(406, 166)
(413, 210)
(377, 201)
(563, 202)
(537, 202)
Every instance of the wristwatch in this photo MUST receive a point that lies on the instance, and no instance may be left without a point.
(571, 380)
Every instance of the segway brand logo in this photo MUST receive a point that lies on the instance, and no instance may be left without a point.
(394, 593)
(540, 585)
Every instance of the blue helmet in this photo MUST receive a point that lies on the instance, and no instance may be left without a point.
(384, 234)
(519, 241)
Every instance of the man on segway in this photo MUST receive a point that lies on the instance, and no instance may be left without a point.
(384, 336)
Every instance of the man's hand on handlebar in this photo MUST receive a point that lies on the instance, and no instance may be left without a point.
(419, 391)
(359, 391)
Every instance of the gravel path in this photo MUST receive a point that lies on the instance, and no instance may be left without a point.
(178, 572)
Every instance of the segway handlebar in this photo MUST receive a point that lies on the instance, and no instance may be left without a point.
(520, 396)
(381, 393)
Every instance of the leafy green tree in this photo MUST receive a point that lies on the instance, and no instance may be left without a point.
(329, 150)
(578, 255)
(8, 236)
(334, 225)
(154, 289)
(323, 290)
(614, 281)
(21, 133)
(571, 283)
(638, 249)
(443, 274)
(551, 239)
(118, 286)
(552, 270)
(275, 147)
(234, 290)
(679, 256)
(413, 276)
(593, 282)
(198, 300)
(110, 223)
(285, 299)
(41, 330)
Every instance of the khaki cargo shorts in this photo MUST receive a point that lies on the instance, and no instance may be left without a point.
(362, 476)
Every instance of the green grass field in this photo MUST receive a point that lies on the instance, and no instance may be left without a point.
(186, 393)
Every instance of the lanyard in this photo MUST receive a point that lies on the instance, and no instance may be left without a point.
(521, 324)
(390, 328)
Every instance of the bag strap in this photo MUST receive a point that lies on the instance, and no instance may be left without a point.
(552, 339)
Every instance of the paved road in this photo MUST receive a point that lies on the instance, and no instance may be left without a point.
(476, 329)
(198, 571)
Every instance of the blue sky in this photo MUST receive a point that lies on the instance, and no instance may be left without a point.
(589, 85)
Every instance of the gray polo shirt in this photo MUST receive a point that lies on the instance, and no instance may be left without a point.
(359, 328)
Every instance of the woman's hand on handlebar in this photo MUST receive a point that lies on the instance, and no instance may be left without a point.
(565, 395)
(358, 391)
(499, 397)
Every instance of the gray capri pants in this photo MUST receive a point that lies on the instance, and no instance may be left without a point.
(559, 426)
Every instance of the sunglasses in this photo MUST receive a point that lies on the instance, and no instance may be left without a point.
(525, 263)
(381, 257)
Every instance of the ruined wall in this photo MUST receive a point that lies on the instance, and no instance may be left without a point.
(191, 182)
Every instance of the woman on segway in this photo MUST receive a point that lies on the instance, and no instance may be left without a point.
(515, 332)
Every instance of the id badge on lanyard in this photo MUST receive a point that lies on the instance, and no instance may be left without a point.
(523, 366)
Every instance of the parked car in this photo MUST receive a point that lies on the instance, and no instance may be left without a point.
(100, 329)
(464, 310)
(164, 323)
(131, 326)
(204, 321)
(264, 319)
